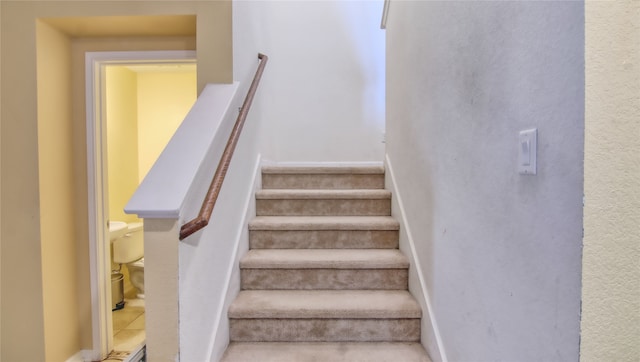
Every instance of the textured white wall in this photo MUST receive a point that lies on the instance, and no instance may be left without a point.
(500, 252)
(611, 261)
(323, 93)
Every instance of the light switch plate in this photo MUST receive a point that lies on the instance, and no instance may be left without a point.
(527, 151)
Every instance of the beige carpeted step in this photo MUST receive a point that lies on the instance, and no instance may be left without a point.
(324, 269)
(323, 177)
(324, 316)
(328, 232)
(350, 304)
(323, 202)
(325, 352)
(324, 280)
(289, 223)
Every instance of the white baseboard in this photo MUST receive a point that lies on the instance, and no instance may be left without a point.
(324, 164)
(242, 227)
(84, 355)
(137, 354)
(88, 355)
(420, 291)
(78, 357)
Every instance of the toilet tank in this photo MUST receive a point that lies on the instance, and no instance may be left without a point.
(129, 247)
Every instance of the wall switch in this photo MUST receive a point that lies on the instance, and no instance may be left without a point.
(527, 150)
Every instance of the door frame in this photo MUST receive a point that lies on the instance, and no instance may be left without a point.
(97, 176)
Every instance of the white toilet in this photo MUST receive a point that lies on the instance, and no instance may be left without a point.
(129, 249)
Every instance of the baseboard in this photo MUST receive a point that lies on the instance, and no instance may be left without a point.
(242, 227)
(324, 164)
(78, 357)
(85, 355)
(137, 355)
(419, 290)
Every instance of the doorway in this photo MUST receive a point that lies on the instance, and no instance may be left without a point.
(106, 197)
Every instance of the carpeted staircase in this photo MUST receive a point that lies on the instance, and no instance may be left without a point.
(324, 279)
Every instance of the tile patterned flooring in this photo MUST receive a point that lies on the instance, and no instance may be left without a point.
(128, 329)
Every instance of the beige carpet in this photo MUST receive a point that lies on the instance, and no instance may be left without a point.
(324, 279)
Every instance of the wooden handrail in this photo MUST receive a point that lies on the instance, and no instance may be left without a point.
(385, 14)
(218, 178)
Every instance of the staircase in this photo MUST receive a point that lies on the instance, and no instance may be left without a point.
(324, 279)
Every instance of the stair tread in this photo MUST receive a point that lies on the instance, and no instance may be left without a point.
(324, 259)
(325, 351)
(313, 194)
(375, 170)
(324, 223)
(345, 304)
(326, 283)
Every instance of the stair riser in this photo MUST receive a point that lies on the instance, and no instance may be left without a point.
(323, 239)
(331, 351)
(334, 279)
(324, 330)
(375, 207)
(296, 181)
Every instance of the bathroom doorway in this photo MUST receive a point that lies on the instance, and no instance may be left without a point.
(134, 105)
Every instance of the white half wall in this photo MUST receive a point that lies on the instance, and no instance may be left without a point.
(500, 251)
(323, 91)
(209, 270)
(191, 281)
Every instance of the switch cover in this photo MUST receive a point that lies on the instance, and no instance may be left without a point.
(527, 150)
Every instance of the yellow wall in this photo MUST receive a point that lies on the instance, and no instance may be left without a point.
(176, 91)
(122, 139)
(611, 255)
(79, 47)
(143, 109)
(25, 315)
(21, 246)
(56, 193)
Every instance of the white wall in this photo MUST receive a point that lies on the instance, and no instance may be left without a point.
(611, 269)
(208, 259)
(500, 252)
(323, 93)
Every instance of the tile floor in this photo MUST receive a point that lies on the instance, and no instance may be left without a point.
(128, 329)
